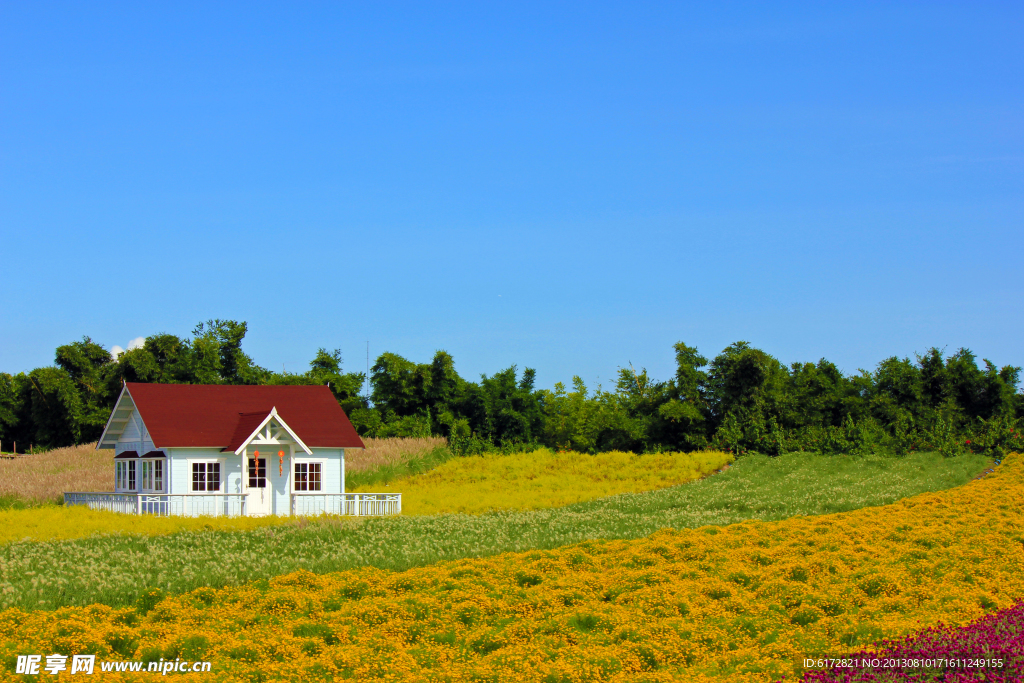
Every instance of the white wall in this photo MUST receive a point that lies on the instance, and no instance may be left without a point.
(334, 467)
(180, 479)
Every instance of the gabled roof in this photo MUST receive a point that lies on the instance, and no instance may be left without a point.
(211, 415)
(249, 424)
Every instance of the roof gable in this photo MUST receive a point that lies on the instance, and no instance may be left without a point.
(251, 424)
(119, 421)
(213, 415)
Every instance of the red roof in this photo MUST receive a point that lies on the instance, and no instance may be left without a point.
(247, 424)
(212, 415)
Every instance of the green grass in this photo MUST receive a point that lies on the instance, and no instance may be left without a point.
(11, 502)
(116, 569)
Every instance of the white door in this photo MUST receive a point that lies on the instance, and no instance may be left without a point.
(259, 501)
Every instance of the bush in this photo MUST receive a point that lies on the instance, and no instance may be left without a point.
(946, 440)
(996, 437)
(475, 445)
(407, 426)
(904, 437)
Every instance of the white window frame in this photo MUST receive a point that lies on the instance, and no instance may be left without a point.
(152, 463)
(308, 461)
(222, 488)
(122, 480)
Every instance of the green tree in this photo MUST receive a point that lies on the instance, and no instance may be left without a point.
(446, 388)
(10, 407)
(510, 407)
(635, 404)
(163, 359)
(569, 417)
(816, 395)
(218, 357)
(399, 385)
(933, 378)
(326, 368)
(745, 381)
(897, 393)
(90, 367)
(56, 408)
(685, 413)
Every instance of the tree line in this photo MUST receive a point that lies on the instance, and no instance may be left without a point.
(741, 400)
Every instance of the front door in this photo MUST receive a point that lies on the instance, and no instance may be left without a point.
(259, 502)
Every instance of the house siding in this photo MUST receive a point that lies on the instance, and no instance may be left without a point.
(180, 478)
(334, 468)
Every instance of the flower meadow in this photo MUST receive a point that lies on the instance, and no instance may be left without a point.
(115, 568)
(545, 479)
(745, 602)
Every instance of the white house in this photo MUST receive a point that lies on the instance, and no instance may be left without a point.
(192, 449)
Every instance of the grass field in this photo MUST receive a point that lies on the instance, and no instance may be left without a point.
(55, 522)
(116, 569)
(389, 453)
(544, 479)
(43, 478)
(742, 602)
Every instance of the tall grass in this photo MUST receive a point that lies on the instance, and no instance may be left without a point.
(115, 569)
(376, 478)
(391, 452)
(44, 477)
(544, 479)
(21, 522)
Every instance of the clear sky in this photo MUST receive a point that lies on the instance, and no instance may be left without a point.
(570, 187)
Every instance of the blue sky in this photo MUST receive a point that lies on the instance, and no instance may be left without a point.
(570, 187)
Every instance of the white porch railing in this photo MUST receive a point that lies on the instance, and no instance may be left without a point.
(310, 504)
(187, 504)
(233, 504)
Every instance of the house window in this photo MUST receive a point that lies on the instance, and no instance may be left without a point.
(308, 476)
(152, 475)
(257, 473)
(206, 476)
(124, 475)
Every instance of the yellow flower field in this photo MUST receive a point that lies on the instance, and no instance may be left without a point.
(736, 603)
(545, 479)
(52, 522)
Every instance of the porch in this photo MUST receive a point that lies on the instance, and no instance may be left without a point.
(234, 504)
